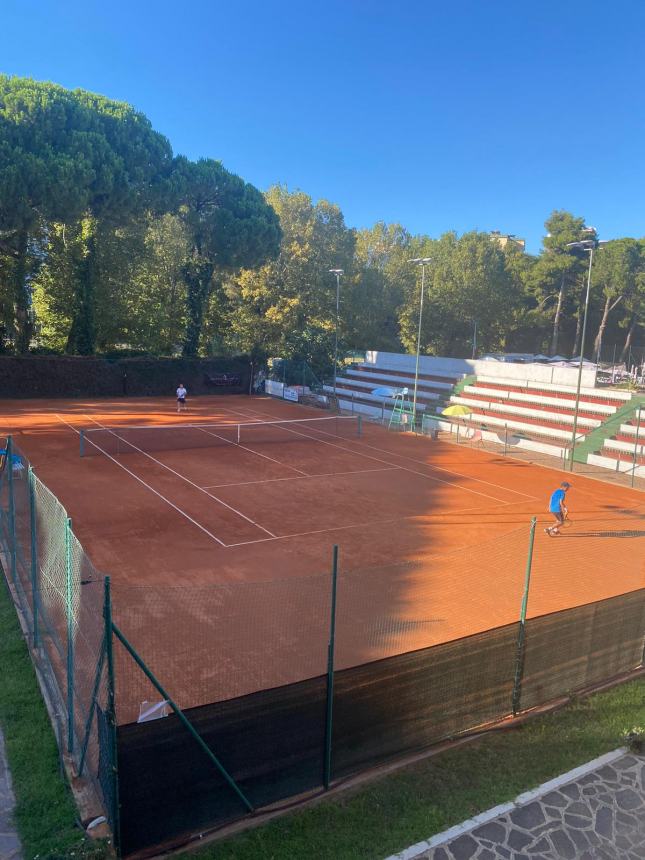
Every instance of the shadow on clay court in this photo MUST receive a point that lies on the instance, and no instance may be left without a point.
(621, 534)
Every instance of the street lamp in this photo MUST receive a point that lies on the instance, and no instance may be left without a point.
(338, 273)
(423, 262)
(588, 246)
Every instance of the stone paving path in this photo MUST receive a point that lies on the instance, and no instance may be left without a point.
(595, 812)
(9, 842)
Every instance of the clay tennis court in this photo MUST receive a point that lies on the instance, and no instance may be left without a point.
(432, 537)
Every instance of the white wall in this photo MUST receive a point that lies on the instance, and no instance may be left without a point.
(465, 366)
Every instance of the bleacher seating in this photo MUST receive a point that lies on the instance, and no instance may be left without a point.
(537, 415)
(355, 386)
(620, 449)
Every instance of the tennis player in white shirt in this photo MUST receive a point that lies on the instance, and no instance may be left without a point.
(181, 397)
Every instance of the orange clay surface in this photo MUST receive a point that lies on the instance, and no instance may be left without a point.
(432, 537)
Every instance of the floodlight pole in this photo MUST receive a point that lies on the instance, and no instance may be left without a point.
(338, 273)
(474, 339)
(423, 262)
(589, 246)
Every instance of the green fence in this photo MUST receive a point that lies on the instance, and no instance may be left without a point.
(202, 704)
(60, 598)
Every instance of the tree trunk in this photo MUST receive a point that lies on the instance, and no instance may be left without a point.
(82, 334)
(198, 278)
(603, 325)
(629, 338)
(21, 295)
(556, 319)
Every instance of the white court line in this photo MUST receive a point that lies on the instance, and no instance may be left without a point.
(437, 468)
(304, 477)
(148, 487)
(251, 451)
(372, 523)
(386, 463)
(413, 460)
(183, 477)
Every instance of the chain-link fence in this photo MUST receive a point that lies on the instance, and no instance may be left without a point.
(234, 696)
(60, 598)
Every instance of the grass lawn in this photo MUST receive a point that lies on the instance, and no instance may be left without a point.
(45, 812)
(423, 799)
(368, 822)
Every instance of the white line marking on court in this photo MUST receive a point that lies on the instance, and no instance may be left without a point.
(148, 487)
(251, 451)
(449, 471)
(420, 462)
(373, 523)
(403, 468)
(304, 477)
(183, 477)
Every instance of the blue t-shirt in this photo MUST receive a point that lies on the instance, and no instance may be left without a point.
(556, 499)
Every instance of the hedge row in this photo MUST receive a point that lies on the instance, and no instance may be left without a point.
(79, 376)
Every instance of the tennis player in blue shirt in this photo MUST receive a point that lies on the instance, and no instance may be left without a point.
(558, 508)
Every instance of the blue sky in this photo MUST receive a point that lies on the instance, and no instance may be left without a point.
(463, 115)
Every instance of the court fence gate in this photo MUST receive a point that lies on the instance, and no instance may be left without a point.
(187, 708)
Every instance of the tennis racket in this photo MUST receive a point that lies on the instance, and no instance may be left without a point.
(568, 522)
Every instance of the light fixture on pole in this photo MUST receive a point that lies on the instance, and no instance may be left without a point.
(338, 273)
(588, 246)
(423, 262)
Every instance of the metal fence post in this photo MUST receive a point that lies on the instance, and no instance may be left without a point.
(521, 637)
(638, 430)
(12, 510)
(330, 671)
(69, 607)
(111, 715)
(35, 596)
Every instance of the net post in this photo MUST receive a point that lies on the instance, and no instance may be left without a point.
(360, 425)
(330, 670)
(111, 714)
(12, 510)
(35, 597)
(69, 609)
(239, 434)
(505, 438)
(81, 438)
(521, 635)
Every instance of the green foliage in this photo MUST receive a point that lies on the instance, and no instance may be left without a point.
(107, 243)
(228, 226)
(467, 279)
(288, 306)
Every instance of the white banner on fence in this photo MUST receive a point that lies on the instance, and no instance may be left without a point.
(275, 389)
(290, 394)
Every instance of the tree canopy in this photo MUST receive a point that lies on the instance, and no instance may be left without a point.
(110, 242)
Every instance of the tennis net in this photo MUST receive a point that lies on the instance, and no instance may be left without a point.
(182, 437)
